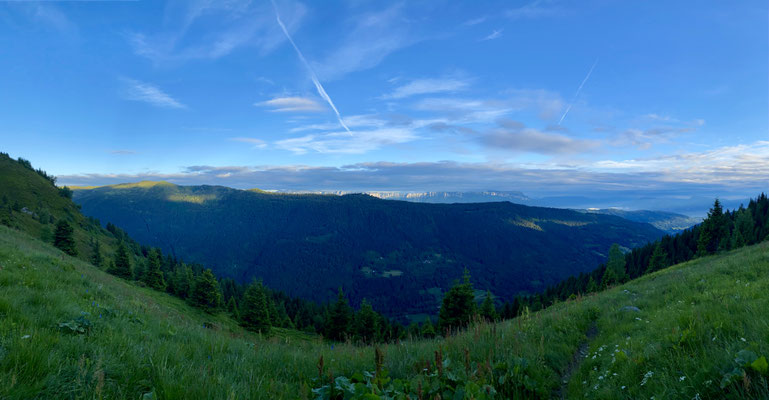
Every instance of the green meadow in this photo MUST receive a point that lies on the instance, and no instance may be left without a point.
(695, 330)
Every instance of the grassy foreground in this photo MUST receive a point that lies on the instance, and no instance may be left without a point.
(68, 330)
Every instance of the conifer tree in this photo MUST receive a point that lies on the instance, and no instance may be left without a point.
(616, 263)
(366, 323)
(339, 319)
(591, 285)
(96, 258)
(488, 311)
(744, 227)
(205, 293)
(63, 238)
(254, 310)
(183, 278)
(713, 230)
(458, 305)
(121, 265)
(659, 259)
(154, 276)
(428, 330)
(232, 308)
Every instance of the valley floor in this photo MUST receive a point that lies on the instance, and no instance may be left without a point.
(698, 330)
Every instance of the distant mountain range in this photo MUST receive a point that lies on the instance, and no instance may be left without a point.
(666, 221)
(310, 245)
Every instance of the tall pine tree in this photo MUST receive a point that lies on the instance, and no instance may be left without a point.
(615, 267)
(154, 276)
(64, 238)
(366, 323)
(339, 319)
(206, 294)
(458, 305)
(121, 265)
(488, 311)
(96, 258)
(713, 230)
(254, 309)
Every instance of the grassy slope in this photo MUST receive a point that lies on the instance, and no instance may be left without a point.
(700, 314)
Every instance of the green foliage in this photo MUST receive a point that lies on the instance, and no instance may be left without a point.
(154, 276)
(401, 247)
(366, 323)
(615, 267)
(339, 319)
(96, 257)
(255, 314)
(63, 238)
(458, 305)
(488, 311)
(232, 308)
(714, 230)
(121, 265)
(659, 259)
(428, 330)
(206, 294)
(65, 192)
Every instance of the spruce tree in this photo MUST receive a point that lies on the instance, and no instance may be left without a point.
(591, 285)
(121, 266)
(428, 330)
(96, 258)
(616, 263)
(366, 323)
(154, 276)
(659, 259)
(458, 306)
(254, 309)
(488, 310)
(63, 238)
(339, 318)
(232, 308)
(205, 293)
(713, 230)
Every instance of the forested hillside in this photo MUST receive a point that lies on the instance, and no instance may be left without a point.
(70, 330)
(310, 245)
(30, 202)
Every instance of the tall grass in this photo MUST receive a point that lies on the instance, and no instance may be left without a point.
(136, 342)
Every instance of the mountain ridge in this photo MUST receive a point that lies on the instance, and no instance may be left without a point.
(369, 246)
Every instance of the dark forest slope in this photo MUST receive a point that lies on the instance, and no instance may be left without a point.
(399, 255)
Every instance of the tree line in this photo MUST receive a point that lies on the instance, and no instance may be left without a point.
(720, 231)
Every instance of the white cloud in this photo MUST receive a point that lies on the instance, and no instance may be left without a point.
(342, 143)
(205, 29)
(140, 91)
(373, 37)
(535, 9)
(724, 165)
(497, 33)
(515, 137)
(427, 86)
(292, 104)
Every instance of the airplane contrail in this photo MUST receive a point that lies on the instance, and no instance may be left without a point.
(318, 86)
(579, 89)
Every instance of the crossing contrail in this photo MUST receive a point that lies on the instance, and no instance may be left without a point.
(579, 89)
(318, 86)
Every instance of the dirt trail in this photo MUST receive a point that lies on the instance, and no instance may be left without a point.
(576, 361)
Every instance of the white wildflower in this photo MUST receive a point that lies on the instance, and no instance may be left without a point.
(681, 379)
(623, 387)
(25, 337)
(743, 339)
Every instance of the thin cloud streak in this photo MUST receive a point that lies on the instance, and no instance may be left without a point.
(318, 86)
(147, 93)
(579, 89)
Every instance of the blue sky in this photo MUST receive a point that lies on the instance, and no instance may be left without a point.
(653, 99)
